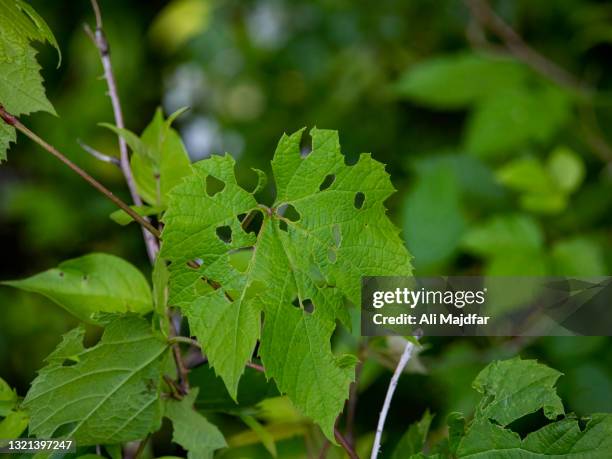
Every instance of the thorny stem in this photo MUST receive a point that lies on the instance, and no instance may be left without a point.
(13, 121)
(408, 350)
(99, 39)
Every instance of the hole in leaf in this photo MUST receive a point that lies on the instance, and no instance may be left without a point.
(282, 224)
(289, 212)
(327, 182)
(224, 233)
(68, 363)
(308, 305)
(61, 274)
(213, 185)
(296, 303)
(194, 264)
(359, 200)
(85, 278)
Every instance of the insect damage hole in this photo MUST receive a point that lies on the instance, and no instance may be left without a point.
(214, 185)
(306, 305)
(359, 200)
(224, 233)
(289, 212)
(327, 182)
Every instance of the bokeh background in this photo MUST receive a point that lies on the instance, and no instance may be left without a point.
(502, 167)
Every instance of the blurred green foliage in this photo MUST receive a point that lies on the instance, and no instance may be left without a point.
(499, 169)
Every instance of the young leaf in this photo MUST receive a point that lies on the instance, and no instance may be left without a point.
(8, 398)
(160, 160)
(91, 284)
(105, 394)
(514, 388)
(327, 228)
(21, 89)
(122, 218)
(13, 425)
(191, 430)
(413, 440)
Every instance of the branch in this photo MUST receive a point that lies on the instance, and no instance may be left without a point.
(98, 155)
(408, 350)
(99, 39)
(347, 447)
(487, 18)
(13, 121)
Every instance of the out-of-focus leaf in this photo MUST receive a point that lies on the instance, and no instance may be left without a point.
(8, 398)
(504, 234)
(433, 218)
(413, 440)
(178, 22)
(92, 284)
(455, 81)
(191, 430)
(13, 425)
(266, 438)
(514, 118)
(578, 257)
(566, 168)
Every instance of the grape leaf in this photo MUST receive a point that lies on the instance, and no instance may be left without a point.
(326, 229)
(514, 388)
(21, 89)
(91, 284)
(106, 394)
(160, 160)
(192, 431)
(562, 439)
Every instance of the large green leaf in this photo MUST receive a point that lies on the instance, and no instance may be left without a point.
(327, 229)
(91, 284)
(564, 439)
(413, 440)
(192, 431)
(21, 89)
(106, 394)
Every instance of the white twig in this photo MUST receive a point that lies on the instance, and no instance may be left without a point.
(408, 350)
(99, 155)
(101, 43)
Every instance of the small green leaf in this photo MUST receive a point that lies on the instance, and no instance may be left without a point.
(106, 394)
(504, 234)
(122, 218)
(92, 284)
(413, 440)
(578, 257)
(266, 438)
(8, 398)
(514, 388)
(13, 425)
(566, 168)
(191, 430)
